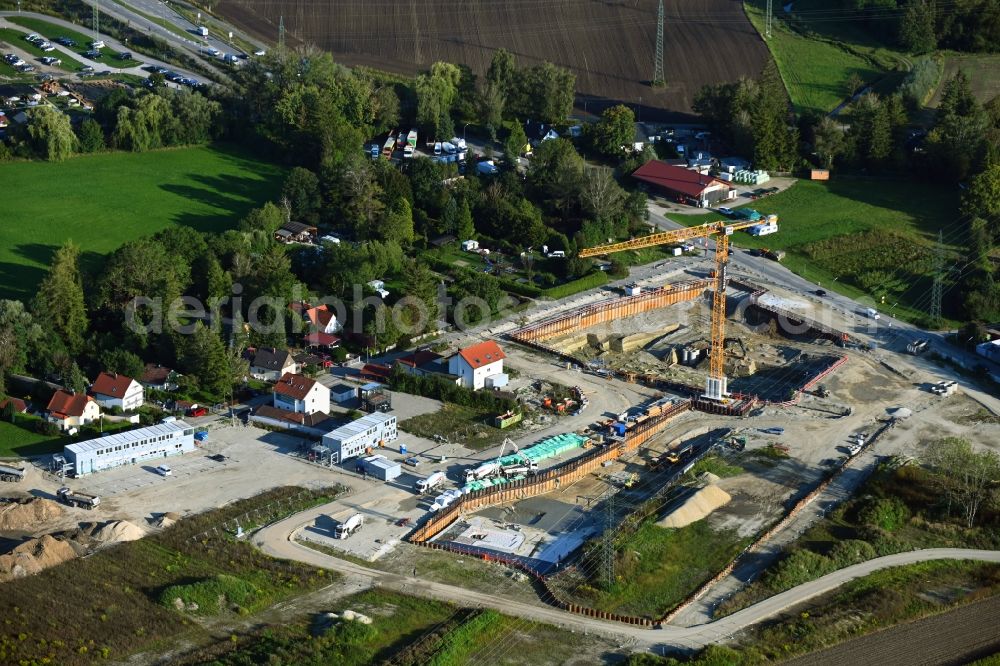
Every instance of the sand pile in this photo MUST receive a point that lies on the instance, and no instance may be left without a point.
(33, 556)
(28, 515)
(166, 520)
(698, 505)
(118, 531)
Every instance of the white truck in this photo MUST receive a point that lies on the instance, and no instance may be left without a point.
(486, 469)
(202, 31)
(82, 500)
(445, 498)
(349, 526)
(431, 482)
(11, 473)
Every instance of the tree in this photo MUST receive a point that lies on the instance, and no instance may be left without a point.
(90, 136)
(502, 70)
(967, 476)
(602, 196)
(956, 144)
(982, 198)
(397, 225)
(436, 91)
(301, 189)
(421, 286)
(515, 143)
(492, 102)
(916, 27)
(386, 109)
(60, 298)
(123, 362)
(51, 133)
(614, 131)
(547, 93)
(129, 134)
(828, 141)
(556, 171)
(144, 268)
(204, 356)
(19, 334)
(871, 131)
(774, 141)
(465, 229)
(266, 219)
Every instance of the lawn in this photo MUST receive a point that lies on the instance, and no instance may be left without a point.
(459, 424)
(104, 200)
(849, 235)
(16, 38)
(23, 441)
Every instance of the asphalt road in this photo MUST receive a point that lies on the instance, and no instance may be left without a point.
(278, 540)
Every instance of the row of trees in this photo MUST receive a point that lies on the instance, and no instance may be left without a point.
(920, 26)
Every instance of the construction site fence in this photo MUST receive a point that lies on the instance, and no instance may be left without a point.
(809, 385)
(610, 310)
(550, 479)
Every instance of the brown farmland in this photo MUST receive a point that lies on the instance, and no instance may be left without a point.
(609, 44)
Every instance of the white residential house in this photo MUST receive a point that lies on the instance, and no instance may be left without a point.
(270, 364)
(72, 410)
(298, 393)
(111, 389)
(479, 365)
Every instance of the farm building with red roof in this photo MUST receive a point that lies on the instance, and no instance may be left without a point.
(684, 184)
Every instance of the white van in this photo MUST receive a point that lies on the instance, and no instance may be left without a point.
(557, 253)
(872, 313)
(163, 470)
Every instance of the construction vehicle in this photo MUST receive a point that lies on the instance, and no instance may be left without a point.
(716, 382)
(349, 526)
(822, 392)
(918, 346)
(11, 473)
(944, 388)
(486, 469)
(431, 482)
(773, 255)
(82, 500)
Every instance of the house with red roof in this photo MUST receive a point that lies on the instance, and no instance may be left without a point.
(19, 406)
(684, 184)
(298, 393)
(479, 365)
(68, 409)
(111, 389)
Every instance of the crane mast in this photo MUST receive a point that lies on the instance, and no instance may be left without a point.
(716, 384)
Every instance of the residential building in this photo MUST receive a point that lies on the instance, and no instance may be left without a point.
(479, 365)
(71, 410)
(298, 393)
(316, 424)
(296, 232)
(355, 438)
(684, 184)
(322, 319)
(111, 389)
(269, 364)
(159, 377)
(168, 438)
(421, 362)
(19, 406)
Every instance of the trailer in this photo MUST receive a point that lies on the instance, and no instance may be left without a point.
(349, 526)
(11, 473)
(82, 500)
(483, 471)
(431, 482)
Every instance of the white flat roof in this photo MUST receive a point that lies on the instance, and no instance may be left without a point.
(127, 437)
(361, 425)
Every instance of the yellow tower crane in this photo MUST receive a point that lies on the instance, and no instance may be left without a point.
(715, 384)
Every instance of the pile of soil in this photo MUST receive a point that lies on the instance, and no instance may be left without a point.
(166, 520)
(35, 555)
(118, 531)
(697, 506)
(29, 514)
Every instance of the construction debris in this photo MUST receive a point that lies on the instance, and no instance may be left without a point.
(696, 506)
(29, 514)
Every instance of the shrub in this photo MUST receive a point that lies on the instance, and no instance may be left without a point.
(211, 593)
(888, 514)
(920, 81)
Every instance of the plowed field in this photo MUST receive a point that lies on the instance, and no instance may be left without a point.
(609, 44)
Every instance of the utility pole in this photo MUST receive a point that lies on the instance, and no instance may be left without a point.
(608, 547)
(767, 22)
(937, 290)
(658, 77)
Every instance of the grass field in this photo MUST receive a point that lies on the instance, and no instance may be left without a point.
(458, 423)
(848, 235)
(16, 38)
(22, 441)
(101, 201)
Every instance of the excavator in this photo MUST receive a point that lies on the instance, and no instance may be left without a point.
(716, 384)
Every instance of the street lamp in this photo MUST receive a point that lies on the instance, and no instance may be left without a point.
(464, 127)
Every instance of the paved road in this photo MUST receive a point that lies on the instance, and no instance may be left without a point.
(278, 540)
(954, 637)
(108, 41)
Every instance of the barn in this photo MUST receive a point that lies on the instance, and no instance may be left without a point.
(683, 184)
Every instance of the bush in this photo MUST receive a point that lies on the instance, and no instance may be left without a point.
(446, 391)
(212, 593)
(920, 81)
(588, 281)
(46, 428)
(888, 514)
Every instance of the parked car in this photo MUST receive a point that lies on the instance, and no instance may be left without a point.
(197, 411)
(412, 462)
(820, 292)
(163, 470)
(725, 211)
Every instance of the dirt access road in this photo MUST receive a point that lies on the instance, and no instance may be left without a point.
(278, 540)
(954, 637)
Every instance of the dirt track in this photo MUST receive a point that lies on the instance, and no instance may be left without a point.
(955, 637)
(609, 44)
